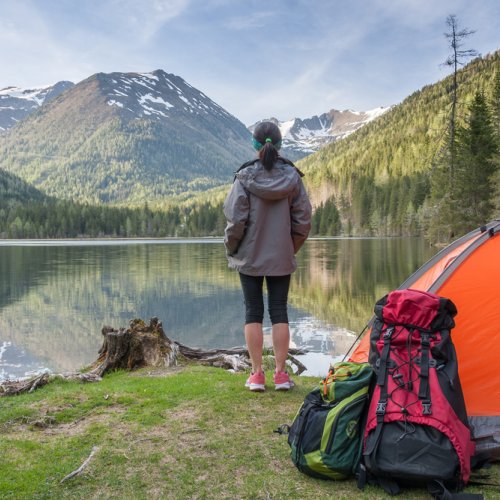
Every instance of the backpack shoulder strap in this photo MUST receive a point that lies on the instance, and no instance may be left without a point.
(245, 165)
(253, 162)
(424, 391)
(288, 162)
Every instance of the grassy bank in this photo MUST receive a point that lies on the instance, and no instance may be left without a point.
(192, 432)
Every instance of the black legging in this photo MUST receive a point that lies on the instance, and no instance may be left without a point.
(277, 289)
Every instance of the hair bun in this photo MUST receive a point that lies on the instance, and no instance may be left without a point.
(266, 132)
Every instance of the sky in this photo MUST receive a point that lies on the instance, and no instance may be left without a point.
(255, 58)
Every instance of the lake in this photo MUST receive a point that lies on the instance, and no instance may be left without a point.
(55, 296)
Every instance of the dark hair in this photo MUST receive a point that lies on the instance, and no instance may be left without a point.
(267, 140)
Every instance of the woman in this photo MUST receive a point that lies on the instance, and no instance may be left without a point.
(268, 219)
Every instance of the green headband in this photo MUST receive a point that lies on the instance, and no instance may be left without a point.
(258, 145)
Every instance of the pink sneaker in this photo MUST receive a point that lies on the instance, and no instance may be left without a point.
(256, 382)
(282, 381)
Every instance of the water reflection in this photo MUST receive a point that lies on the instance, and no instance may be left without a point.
(54, 300)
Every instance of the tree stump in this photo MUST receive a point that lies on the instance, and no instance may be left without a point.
(137, 346)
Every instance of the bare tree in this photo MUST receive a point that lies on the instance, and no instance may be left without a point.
(444, 179)
(458, 57)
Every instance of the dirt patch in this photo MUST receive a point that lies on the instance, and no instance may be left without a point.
(79, 426)
(157, 371)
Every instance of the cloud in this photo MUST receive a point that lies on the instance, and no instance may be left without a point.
(142, 18)
(255, 58)
(54, 40)
(27, 45)
(250, 22)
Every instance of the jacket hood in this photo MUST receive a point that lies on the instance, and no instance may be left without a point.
(275, 184)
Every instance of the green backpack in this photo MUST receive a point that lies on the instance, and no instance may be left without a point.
(326, 435)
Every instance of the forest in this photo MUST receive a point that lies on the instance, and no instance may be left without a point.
(404, 174)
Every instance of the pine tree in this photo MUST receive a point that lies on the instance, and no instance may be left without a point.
(316, 219)
(476, 148)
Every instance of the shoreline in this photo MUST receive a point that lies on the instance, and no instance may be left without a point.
(110, 240)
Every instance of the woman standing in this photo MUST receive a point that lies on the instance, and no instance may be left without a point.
(268, 219)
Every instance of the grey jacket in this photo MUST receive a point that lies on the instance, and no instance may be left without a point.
(268, 219)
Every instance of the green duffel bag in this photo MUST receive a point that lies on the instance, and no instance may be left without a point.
(326, 435)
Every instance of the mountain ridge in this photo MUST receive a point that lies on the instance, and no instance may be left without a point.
(139, 136)
(17, 103)
(305, 136)
(126, 138)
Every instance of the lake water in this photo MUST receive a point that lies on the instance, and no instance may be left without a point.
(56, 296)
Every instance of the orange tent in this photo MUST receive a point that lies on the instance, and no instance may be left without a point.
(468, 273)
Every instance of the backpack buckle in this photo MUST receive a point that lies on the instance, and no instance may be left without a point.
(426, 405)
(381, 406)
(398, 378)
(432, 362)
(388, 334)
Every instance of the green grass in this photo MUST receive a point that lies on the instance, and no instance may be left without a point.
(194, 432)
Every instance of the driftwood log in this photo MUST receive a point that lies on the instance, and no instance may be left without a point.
(141, 345)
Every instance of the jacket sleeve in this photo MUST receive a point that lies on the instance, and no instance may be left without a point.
(300, 212)
(236, 210)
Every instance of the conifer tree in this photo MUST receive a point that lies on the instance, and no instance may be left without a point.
(476, 149)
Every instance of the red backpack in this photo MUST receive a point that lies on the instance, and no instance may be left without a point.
(417, 432)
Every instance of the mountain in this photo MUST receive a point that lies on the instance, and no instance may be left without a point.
(16, 103)
(126, 138)
(301, 137)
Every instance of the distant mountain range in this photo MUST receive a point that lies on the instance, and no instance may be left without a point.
(16, 104)
(302, 137)
(127, 138)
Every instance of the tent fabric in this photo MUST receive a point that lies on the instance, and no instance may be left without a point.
(468, 273)
(475, 291)
(425, 281)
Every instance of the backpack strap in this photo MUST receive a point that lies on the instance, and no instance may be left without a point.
(253, 162)
(245, 165)
(387, 484)
(439, 491)
(382, 382)
(362, 474)
(423, 393)
(384, 357)
(288, 162)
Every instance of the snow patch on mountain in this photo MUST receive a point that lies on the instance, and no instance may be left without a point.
(17, 103)
(35, 95)
(301, 137)
(159, 95)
